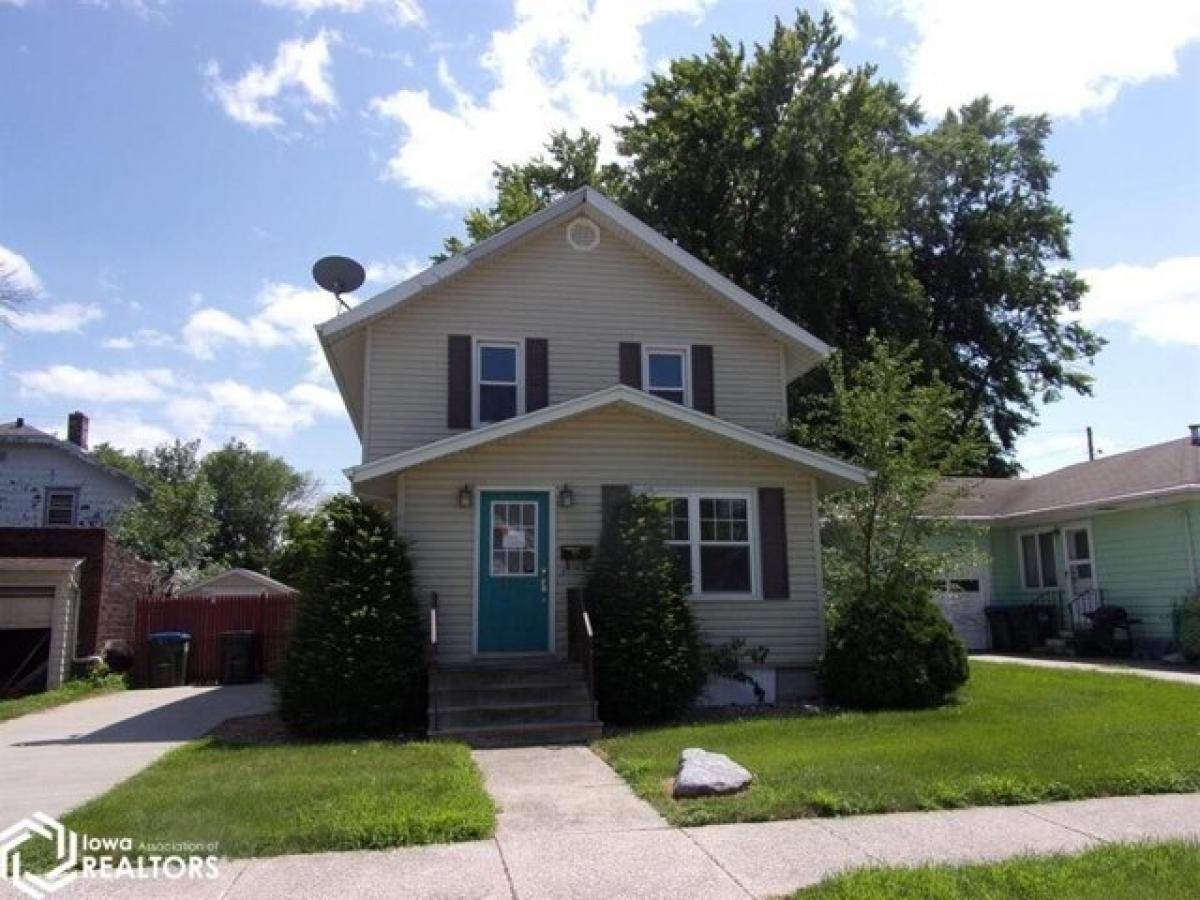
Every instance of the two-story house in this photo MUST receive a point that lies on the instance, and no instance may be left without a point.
(508, 398)
(67, 591)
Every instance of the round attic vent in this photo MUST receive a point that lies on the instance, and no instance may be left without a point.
(582, 234)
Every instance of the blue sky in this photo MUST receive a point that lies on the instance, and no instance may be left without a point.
(169, 170)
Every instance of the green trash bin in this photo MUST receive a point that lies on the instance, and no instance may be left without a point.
(168, 658)
(239, 657)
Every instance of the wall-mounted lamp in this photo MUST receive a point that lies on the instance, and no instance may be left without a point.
(566, 497)
(465, 495)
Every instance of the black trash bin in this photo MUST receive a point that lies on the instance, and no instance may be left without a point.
(1000, 625)
(239, 657)
(168, 658)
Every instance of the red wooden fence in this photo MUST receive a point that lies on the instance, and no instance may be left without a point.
(204, 618)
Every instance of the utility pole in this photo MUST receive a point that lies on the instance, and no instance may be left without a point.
(1091, 445)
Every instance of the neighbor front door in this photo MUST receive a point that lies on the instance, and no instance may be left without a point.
(514, 572)
(1080, 562)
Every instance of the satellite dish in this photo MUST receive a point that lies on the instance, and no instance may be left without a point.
(339, 275)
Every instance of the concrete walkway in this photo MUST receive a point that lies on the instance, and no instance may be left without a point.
(568, 828)
(1110, 668)
(55, 760)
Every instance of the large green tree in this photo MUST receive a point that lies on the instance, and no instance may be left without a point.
(253, 492)
(820, 189)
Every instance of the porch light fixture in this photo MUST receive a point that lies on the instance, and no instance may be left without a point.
(465, 495)
(566, 496)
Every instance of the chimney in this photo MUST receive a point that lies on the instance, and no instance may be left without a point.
(77, 429)
(1195, 430)
(20, 421)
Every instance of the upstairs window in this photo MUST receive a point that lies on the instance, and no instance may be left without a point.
(665, 373)
(1039, 563)
(498, 381)
(60, 507)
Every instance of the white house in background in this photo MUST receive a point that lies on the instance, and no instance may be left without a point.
(236, 583)
(47, 482)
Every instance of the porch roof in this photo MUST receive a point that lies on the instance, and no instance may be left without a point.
(833, 474)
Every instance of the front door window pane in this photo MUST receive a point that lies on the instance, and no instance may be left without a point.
(514, 538)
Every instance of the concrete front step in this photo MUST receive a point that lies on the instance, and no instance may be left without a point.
(522, 734)
(513, 714)
(503, 694)
(470, 677)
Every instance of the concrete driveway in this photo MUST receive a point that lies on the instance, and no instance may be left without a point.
(56, 760)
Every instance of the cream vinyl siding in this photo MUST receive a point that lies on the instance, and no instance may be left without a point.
(607, 446)
(585, 303)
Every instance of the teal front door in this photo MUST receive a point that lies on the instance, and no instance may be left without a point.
(514, 572)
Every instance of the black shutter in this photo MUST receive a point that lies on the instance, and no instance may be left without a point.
(458, 381)
(703, 395)
(611, 498)
(772, 546)
(537, 373)
(631, 365)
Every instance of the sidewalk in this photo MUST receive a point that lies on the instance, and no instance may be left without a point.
(569, 828)
(1117, 667)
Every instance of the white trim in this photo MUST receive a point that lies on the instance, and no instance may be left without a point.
(366, 399)
(537, 522)
(478, 344)
(1091, 560)
(1053, 531)
(694, 495)
(684, 352)
(842, 474)
(551, 546)
(595, 234)
(810, 349)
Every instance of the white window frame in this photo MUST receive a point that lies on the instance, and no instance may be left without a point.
(684, 353)
(74, 494)
(693, 497)
(1035, 533)
(1091, 561)
(536, 573)
(477, 382)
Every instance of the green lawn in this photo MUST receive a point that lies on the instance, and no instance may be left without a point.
(1017, 735)
(67, 693)
(264, 800)
(1129, 872)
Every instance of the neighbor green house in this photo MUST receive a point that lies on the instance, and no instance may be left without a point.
(1121, 532)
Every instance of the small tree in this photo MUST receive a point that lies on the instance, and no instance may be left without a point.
(649, 664)
(887, 542)
(354, 665)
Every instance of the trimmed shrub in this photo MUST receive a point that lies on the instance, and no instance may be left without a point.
(892, 649)
(355, 662)
(648, 661)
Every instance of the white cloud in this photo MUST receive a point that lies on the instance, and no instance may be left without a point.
(403, 12)
(128, 431)
(1160, 302)
(1041, 452)
(123, 385)
(298, 77)
(285, 318)
(57, 319)
(1063, 58)
(13, 265)
(143, 337)
(389, 272)
(224, 408)
(563, 64)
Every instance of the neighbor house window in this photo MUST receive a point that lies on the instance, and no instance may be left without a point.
(665, 374)
(711, 534)
(60, 506)
(498, 381)
(1039, 567)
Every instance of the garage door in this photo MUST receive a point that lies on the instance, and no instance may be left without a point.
(962, 602)
(26, 607)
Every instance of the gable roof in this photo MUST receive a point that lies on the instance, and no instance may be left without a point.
(1159, 471)
(268, 584)
(19, 433)
(833, 473)
(802, 350)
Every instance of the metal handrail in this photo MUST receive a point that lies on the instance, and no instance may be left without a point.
(1078, 600)
(581, 638)
(431, 659)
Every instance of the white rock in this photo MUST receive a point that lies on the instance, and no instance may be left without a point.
(702, 774)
